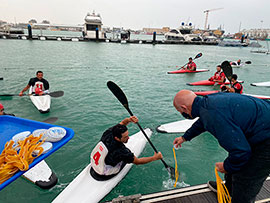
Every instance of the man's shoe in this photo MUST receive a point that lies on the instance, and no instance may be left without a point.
(212, 186)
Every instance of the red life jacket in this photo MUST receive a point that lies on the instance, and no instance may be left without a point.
(219, 76)
(237, 87)
(191, 65)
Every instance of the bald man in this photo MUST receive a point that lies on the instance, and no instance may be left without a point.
(241, 124)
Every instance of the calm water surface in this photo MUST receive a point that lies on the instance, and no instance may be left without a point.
(81, 70)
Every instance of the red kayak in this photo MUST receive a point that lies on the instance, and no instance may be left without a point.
(187, 71)
(209, 83)
(203, 93)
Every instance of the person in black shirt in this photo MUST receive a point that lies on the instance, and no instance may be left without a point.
(38, 84)
(118, 154)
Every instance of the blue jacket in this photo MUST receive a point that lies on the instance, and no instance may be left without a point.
(237, 121)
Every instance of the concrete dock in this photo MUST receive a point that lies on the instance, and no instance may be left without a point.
(193, 194)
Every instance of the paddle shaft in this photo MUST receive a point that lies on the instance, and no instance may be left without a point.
(197, 56)
(52, 94)
(129, 111)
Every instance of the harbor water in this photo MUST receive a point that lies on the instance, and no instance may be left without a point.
(82, 69)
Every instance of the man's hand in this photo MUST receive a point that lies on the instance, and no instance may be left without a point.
(178, 142)
(220, 167)
(133, 119)
(157, 156)
(21, 94)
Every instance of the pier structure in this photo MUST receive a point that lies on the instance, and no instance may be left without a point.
(85, 39)
(193, 194)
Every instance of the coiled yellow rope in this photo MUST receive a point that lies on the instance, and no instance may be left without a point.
(11, 161)
(176, 171)
(222, 192)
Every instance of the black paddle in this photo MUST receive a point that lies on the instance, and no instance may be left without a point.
(197, 56)
(119, 94)
(1, 78)
(248, 62)
(52, 94)
(50, 120)
(227, 69)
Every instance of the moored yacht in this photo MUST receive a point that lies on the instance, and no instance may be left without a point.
(93, 23)
(184, 33)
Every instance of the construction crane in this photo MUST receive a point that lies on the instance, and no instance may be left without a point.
(206, 16)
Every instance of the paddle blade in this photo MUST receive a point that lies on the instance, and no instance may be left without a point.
(8, 95)
(56, 94)
(50, 120)
(227, 69)
(198, 55)
(118, 93)
(171, 171)
(248, 62)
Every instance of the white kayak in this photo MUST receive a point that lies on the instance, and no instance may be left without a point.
(85, 189)
(41, 175)
(176, 127)
(261, 84)
(237, 66)
(42, 103)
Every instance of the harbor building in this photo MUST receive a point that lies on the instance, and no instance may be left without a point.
(257, 33)
(160, 31)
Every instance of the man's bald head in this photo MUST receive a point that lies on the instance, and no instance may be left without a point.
(183, 101)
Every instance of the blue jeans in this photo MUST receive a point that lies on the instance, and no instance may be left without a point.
(247, 183)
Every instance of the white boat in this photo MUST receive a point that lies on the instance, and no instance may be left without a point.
(184, 33)
(261, 84)
(85, 189)
(177, 126)
(93, 23)
(41, 175)
(42, 103)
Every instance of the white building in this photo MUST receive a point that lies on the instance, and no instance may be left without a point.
(257, 33)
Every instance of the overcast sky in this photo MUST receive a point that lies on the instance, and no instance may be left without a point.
(137, 14)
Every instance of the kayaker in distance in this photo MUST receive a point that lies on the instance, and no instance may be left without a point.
(241, 126)
(39, 84)
(236, 63)
(219, 76)
(2, 111)
(236, 86)
(110, 155)
(191, 65)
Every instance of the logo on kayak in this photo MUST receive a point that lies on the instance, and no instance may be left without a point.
(100, 148)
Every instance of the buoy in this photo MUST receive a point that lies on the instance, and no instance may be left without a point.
(42, 38)
(59, 39)
(74, 39)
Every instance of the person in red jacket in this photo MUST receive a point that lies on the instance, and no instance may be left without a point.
(2, 113)
(191, 65)
(219, 76)
(236, 86)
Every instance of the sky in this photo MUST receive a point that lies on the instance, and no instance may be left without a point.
(138, 14)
